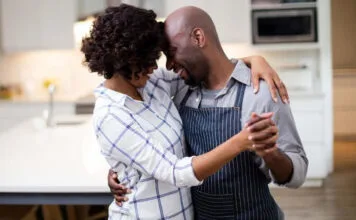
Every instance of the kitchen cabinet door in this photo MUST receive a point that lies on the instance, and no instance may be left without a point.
(231, 18)
(89, 7)
(309, 115)
(37, 24)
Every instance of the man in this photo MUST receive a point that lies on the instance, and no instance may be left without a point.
(220, 101)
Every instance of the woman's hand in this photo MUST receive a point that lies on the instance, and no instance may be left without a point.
(263, 136)
(260, 69)
(260, 132)
(118, 190)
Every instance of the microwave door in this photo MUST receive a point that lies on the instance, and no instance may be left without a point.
(280, 26)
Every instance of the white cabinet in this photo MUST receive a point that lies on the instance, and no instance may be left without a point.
(37, 24)
(231, 17)
(308, 112)
(89, 7)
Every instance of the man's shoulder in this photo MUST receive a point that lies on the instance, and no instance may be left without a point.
(263, 96)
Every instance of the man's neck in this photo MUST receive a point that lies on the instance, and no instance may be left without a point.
(221, 69)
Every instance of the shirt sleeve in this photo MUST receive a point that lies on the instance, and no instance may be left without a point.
(289, 143)
(123, 140)
(174, 83)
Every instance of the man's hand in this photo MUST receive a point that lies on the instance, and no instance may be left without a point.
(260, 132)
(118, 190)
(260, 69)
(277, 161)
(263, 136)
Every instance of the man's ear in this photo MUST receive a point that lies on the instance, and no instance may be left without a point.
(198, 37)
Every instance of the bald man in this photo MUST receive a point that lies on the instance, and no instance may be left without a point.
(215, 100)
(216, 106)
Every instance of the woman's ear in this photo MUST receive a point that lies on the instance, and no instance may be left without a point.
(198, 37)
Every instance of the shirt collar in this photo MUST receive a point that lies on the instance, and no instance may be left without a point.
(241, 72)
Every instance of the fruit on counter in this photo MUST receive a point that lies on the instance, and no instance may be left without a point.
(48, 81)
(9, 91)
(5, 93)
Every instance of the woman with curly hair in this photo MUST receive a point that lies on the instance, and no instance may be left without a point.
(137, 124)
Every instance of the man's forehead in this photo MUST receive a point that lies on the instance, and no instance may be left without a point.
(174, 25)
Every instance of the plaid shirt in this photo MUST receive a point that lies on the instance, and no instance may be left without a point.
(144, 143)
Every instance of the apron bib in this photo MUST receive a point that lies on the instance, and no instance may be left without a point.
(239, 190)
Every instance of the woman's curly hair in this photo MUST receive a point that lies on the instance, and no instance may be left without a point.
(123, 40)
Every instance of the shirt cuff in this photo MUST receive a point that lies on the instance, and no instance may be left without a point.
(299, 171)
(185, 173)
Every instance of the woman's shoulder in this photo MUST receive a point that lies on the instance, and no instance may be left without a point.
(164, 74)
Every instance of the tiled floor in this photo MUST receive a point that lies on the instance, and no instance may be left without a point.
(336, 200)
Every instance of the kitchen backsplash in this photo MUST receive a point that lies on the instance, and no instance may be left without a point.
(31, 69)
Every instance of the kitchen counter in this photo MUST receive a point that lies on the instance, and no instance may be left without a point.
(40, 99)
(59, 165)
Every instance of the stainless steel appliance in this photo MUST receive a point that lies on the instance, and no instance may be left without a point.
(284, 25)
(279, 1)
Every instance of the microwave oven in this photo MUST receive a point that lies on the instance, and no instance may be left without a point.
(284, 25)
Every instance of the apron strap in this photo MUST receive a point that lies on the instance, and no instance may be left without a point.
(240, 94)
(185, 99)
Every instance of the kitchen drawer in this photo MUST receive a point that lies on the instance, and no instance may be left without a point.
(344, 88)
(310, 126)
(308, 114)
(345, 123)
(307, 103)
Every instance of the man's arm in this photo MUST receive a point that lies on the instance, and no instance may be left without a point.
(260, 69)
(278, 162)
(287, 161)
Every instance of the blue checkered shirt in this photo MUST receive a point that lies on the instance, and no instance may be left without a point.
(144, 143)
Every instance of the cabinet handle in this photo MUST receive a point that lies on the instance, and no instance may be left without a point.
(293, 67)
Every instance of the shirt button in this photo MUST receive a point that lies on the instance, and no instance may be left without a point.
(197, 99)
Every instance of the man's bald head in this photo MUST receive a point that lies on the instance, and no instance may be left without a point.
(193, 42)
(185, 19)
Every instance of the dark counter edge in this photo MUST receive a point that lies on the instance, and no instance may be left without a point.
(55, 198)
(85, 105)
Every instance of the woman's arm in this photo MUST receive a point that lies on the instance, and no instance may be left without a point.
(123, 141)
(260, 69)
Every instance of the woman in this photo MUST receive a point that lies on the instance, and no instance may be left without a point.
(137, 125)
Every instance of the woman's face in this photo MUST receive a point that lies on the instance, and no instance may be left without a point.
(143, 76)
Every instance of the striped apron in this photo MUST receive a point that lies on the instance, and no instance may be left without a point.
(239, 190)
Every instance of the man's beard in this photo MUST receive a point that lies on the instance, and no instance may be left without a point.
(191, 81)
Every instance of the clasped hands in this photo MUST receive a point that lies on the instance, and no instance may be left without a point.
(261, 134)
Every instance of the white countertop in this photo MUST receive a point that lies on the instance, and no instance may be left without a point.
(40, 99)
(60, 159)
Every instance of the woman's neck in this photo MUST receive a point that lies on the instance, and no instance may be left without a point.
(120, 84)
